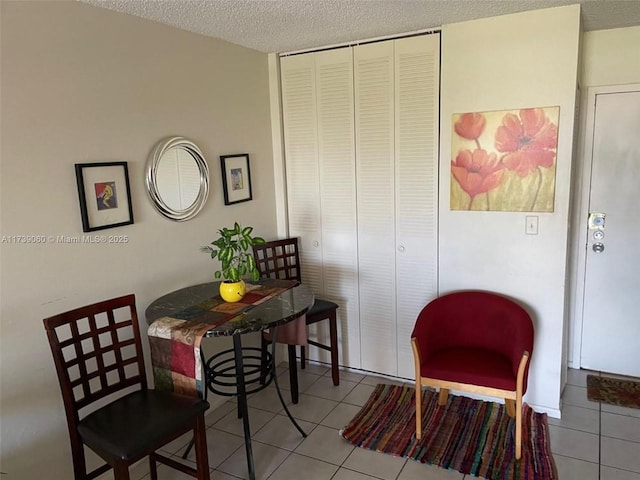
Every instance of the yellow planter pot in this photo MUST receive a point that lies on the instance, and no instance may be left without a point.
(232, 291)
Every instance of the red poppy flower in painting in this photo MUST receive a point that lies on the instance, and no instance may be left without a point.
(470, 125)
(477, 172)
(529, 141)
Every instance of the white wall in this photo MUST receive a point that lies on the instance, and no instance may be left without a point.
(84, 84)
(502, 63)
(609, 57)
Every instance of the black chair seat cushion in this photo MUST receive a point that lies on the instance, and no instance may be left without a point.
(319, 308)
(129, 427)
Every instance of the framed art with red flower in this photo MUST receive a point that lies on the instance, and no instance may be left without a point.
(504, 160)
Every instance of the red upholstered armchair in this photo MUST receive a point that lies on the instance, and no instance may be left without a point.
(477, 342)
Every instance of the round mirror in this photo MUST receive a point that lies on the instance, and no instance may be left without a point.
(177, 178)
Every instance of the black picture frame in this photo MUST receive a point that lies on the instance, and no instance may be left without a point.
(236, 178)
(104, 194)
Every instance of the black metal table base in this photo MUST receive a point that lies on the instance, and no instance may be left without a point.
(243, 378)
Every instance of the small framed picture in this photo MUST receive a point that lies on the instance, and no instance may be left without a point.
(104, 194)
(236, 178)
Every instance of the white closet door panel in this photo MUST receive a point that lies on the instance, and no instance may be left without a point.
(301, 150)
(416, 134)
(361, 147)
(374, 87)
(334, 80)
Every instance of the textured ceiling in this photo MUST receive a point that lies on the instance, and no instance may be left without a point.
(289, 25)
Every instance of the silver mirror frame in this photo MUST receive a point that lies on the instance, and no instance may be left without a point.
(152, 188)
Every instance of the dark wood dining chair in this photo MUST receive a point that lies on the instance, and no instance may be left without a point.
(98, 356)
(280, 259)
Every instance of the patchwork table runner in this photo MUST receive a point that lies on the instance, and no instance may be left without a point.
(175, 340)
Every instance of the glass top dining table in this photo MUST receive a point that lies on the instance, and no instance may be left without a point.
(234, 365)
(275, 311)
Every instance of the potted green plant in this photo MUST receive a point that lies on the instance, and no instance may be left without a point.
(233, 250)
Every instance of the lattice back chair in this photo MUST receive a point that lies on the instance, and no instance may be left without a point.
(281, 259)
(98, 357)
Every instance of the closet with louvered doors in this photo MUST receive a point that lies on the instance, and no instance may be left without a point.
(361, 129)
(317, 104)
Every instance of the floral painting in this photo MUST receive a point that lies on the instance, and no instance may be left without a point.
(505, 160)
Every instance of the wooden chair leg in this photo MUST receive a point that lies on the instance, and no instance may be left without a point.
(293, 374)
(153, 468)
(518, 427)
(443, 395)
(303, 357)
(264, 368)
(418, 410)
(333, 337)
(202, 455)
(510, 406)
(121, 471)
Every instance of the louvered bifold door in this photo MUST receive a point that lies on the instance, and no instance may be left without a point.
(361, 146)
(416, 138)
(374, 119)
(334, 80)
(317, 97)
(302, 167)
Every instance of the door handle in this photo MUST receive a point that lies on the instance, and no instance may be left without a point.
(598, 247)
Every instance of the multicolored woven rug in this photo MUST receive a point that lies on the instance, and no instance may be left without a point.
(613, 391)
(470, 436)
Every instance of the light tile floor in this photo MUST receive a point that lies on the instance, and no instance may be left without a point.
(593, 441)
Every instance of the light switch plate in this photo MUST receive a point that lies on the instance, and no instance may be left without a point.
(531, 225)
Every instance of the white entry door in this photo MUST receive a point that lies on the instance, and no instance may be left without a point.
(611, 315)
